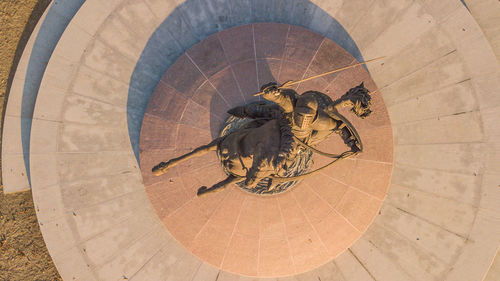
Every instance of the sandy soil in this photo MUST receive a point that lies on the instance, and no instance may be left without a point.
(23, 254)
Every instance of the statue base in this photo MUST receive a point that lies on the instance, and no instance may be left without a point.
(299, 166)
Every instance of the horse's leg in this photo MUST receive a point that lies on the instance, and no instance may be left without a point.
(164, 166)
(259, 165)
(218, 186)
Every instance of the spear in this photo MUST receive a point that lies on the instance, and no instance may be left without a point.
(290, 83)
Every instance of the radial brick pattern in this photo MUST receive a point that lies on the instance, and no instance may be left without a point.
(243, 233)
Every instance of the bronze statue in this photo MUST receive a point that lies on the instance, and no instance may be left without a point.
(263, 142)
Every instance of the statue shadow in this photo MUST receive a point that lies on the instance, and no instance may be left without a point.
(194, 20)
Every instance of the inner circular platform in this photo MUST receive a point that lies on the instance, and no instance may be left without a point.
(244, 233)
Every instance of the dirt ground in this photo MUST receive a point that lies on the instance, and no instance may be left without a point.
(23, 254)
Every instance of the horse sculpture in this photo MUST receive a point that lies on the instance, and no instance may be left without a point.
(267, 145)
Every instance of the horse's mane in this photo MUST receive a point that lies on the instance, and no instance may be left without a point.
(287, 141)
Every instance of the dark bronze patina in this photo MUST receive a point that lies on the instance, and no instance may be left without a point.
(265, 147)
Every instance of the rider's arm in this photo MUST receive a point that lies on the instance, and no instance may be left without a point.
(283, 102)
(282, 97)
(254, 111)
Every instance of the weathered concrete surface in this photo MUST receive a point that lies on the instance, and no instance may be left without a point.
(494, 271)
(24, 90)
(485, 12)
(14, 174)
(434, 48)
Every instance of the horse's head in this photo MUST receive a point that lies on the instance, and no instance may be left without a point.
(359, 99)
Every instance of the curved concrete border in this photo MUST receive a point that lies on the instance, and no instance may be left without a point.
(24, 90)
(440, 220)
(14, 174)
(485, 12)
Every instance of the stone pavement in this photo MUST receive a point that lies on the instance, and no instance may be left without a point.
(234, 230)
(440, 218)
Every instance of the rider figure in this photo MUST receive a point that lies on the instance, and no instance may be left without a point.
(313, 115)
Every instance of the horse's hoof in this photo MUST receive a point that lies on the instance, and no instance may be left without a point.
(160, 169)
(202, 191)
(251, 183)
(157, 172)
